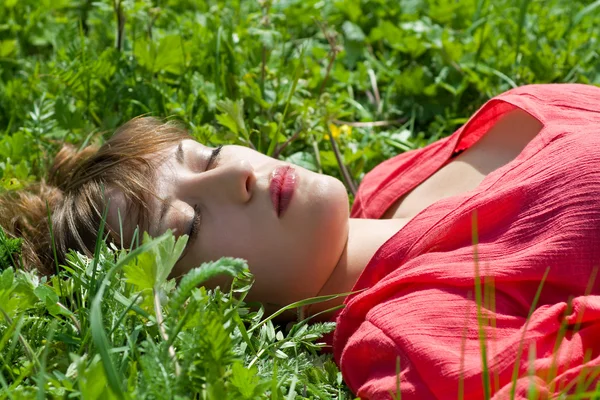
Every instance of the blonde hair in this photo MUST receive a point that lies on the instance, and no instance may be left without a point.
(75, 192)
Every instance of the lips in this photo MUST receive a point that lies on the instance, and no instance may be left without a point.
(282, 185)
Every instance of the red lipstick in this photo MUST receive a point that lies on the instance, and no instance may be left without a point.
(282, 185)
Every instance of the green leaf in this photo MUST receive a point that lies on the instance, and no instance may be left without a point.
(224, 266)
(10, 250)
(167, 253)
(304, 159)
(227, 122)
(170, 55)
(6, 279)
(7, 47)
(16, 292)
(93, 385)
(245, 380)
(167, 55)
(22, 172)
(353, 32)
(151, 268)
(45, 293)
(232, 116)
(142, 271)
(350, 7)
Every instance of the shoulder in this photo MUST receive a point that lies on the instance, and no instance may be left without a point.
(388, 180)
(548, 101)
(554, 91)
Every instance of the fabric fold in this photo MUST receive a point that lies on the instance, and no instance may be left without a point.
(537, 216)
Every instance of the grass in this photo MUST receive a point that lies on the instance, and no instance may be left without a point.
(334, 86)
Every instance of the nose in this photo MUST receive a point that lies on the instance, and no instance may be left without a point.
(236, 180)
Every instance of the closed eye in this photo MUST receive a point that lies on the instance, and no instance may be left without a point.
(214, 155)
(197, 218)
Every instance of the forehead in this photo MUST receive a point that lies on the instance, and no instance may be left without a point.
(126, 215)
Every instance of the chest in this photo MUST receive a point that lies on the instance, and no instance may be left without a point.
(464, 172)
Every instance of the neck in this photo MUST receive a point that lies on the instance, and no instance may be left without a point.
(365, 237)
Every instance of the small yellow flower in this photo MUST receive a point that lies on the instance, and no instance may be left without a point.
(337, 131)
(346, 130)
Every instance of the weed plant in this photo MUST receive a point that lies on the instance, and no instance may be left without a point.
(336, 86)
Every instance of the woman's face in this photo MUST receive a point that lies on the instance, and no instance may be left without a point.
(291, 252)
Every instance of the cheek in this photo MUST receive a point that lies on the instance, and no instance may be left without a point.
(326, 207)
(290, 258)
(228, 234)
(265, 245)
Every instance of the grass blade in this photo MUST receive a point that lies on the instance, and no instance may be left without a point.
(580, 16)
(297, 75)
(99, 241)
(520, 24)
(463, 345)
(42, 370)
(292, 392)
(536, 298)
(480, 318)
(103, 346)
(301, 303)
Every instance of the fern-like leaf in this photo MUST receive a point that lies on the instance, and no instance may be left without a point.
(229, 266)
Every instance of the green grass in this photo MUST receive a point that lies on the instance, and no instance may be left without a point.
(281, 76)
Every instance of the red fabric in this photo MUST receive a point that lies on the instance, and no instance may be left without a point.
(538, 213)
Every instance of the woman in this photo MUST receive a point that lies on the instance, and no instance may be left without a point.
(521, 178)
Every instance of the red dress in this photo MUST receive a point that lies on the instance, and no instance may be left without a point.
(538, 214)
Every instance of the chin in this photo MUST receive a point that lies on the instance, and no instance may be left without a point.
(333, 219)
(337, 195)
